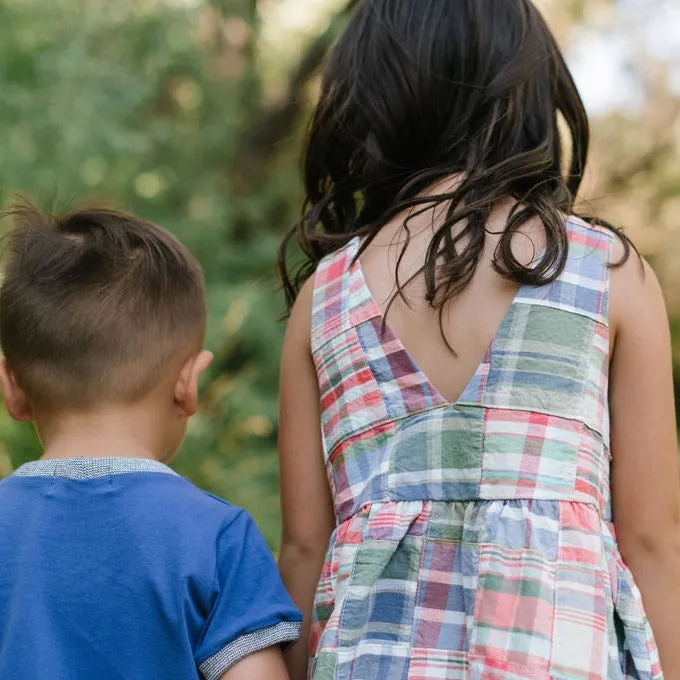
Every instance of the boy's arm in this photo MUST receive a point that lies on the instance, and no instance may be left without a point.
(265, 665)
(306, 503)
(251, 614)
(645, 489)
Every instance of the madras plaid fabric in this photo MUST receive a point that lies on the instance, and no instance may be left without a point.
(474, 538)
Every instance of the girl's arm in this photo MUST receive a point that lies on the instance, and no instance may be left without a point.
(645, 485)
(306, 503)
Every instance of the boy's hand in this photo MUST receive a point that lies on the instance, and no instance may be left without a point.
(265, 665)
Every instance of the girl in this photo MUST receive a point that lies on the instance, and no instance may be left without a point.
(485, 368)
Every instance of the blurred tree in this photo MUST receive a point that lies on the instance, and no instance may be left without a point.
(175, 110)
(151, 105)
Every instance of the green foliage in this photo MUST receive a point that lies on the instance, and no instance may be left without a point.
(150, 106)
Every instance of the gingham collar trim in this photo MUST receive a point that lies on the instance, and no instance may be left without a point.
(90, 468)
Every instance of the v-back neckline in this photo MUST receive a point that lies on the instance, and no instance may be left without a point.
(377, 312)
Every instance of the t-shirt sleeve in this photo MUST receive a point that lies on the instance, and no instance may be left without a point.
(251, 609)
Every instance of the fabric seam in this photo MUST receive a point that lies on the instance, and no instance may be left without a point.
(249, 643)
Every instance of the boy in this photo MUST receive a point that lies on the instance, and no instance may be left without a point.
(114, 567)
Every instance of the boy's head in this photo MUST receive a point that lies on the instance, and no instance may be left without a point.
(97, 308)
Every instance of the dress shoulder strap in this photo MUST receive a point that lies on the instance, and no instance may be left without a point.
(340, 301)
(583, 286)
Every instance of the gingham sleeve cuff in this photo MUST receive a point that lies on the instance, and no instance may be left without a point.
(280, 634)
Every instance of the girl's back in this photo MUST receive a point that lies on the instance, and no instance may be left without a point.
(487, 372)
(474, 530)
(470, 320)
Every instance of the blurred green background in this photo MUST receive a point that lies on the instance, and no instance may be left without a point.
(191, 113)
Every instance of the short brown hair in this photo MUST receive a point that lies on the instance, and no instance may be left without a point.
(94, 304)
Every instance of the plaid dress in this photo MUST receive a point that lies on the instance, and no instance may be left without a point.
(474, 538)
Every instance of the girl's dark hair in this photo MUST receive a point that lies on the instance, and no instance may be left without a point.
(416, 91)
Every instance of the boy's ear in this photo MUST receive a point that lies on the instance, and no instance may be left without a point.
(15, 398)
(186, 387)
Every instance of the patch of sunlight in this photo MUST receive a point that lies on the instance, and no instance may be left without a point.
(93, 171)
(236, 31)
(201, 207)
(287, 26)
(606, 55)
(258, 426)
(236, 316)
(283, 17)
(188, 94)
(604, 72)
(184, 3)
(149, 184)
(143, 7)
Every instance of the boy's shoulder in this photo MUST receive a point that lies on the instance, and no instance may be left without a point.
(183, 497)
(147, 495)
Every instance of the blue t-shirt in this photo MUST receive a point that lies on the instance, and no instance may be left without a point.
(119, 569)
